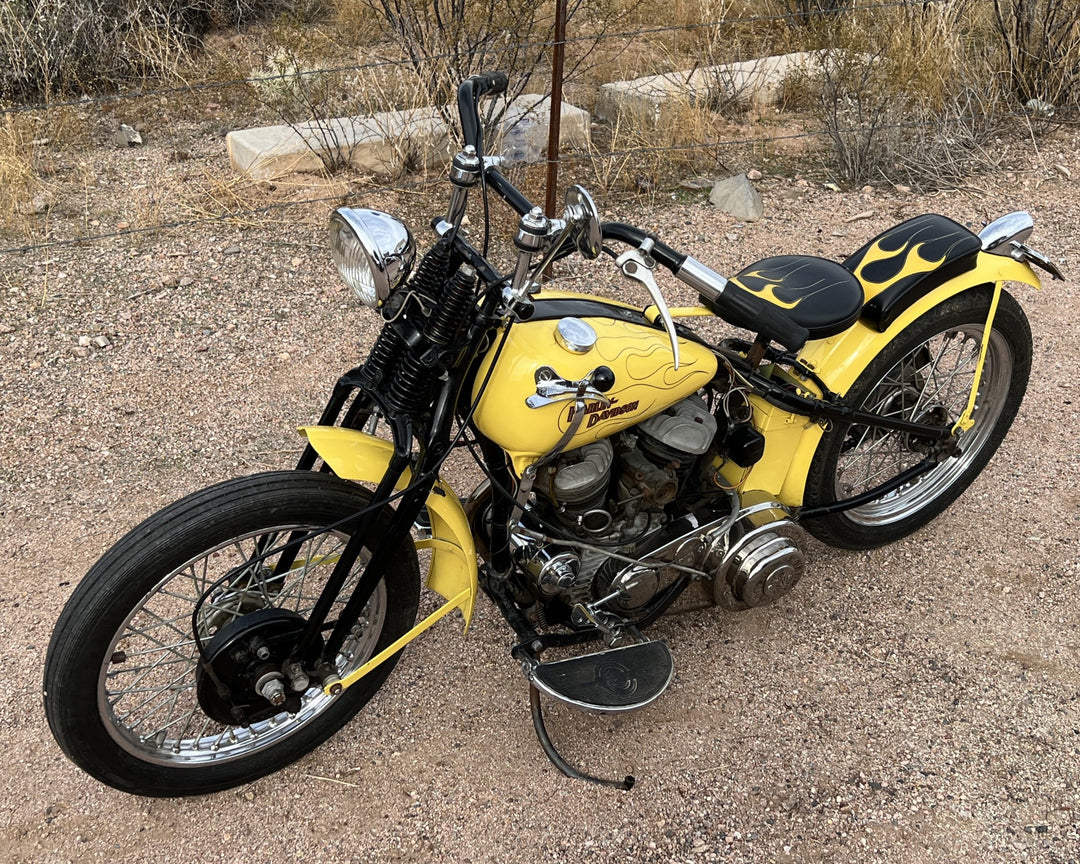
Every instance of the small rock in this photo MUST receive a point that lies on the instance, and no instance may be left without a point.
(84, 341)
(696, 183)
(185, 281)
(80, 351)
(126, 136)
(284, 355)
(867, 189)
(736, 196)
(903, 190)
(753, 175)
(101, 341)
(1039, 108)
(122, 226)
(169, 282)
(230, 250)
(296, 262)
(832, 187)
(36, 206)
(1063, 171)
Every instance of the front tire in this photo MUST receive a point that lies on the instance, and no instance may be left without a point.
(121, 669)
(924, 374)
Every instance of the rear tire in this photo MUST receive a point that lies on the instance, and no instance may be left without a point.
(925, 373)
(120, 672)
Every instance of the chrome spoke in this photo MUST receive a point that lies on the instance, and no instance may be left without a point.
(931, 384)
(149, 676)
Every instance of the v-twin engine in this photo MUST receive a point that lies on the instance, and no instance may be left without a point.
(624, 538)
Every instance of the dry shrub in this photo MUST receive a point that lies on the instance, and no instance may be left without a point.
(445, 41)
(904, 98)
(1040, 48)
(51, 47)
(650, 153)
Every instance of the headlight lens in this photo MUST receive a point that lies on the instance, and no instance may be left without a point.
(373, 252)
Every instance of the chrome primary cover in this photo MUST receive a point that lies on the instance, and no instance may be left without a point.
(758, 562)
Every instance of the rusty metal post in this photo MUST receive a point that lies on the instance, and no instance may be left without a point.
(557, 54)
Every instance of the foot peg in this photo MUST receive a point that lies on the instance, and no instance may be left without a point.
(620, 679)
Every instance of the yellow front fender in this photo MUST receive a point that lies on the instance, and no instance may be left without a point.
(357, 456)
(790, 439)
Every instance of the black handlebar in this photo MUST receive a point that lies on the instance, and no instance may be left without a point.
(632, 236)
(735, 305)
(469, 92)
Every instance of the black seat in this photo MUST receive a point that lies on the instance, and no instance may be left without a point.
(908, 261)
(816, 293)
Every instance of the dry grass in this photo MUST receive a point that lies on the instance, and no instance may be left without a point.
(19, 182)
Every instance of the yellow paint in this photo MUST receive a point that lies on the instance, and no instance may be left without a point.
(645, 383)
(357, 456)
(964, 422)
(791, 440)
(768, 290)
(914, 263)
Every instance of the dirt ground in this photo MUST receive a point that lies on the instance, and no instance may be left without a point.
(918, 703)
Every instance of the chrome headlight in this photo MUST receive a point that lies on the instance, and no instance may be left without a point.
(373, 252)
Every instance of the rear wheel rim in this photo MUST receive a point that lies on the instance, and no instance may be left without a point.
(930, 383)
(146, 685)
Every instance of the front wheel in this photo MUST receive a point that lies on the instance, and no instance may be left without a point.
(122, 673)
(925, 375)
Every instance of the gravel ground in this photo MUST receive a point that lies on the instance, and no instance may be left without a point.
(918, 703)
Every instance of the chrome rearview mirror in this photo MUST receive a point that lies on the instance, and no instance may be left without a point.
(581, 212)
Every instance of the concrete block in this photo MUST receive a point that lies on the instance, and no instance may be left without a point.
(378, 144)
(757, 81)
(382, 143)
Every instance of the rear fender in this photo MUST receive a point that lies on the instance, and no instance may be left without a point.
(791, 439)
(357, 456)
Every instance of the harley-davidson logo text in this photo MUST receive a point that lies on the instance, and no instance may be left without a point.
(597, 412)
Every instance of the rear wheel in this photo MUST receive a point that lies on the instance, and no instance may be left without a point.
(125, 692)
(924, 375)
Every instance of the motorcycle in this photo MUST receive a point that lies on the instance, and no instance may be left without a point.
(623, 458)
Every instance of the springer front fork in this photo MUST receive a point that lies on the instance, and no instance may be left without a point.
(369, 530)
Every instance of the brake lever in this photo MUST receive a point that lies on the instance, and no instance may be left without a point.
(635, 265)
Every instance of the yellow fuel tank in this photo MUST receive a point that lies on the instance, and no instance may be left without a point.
(638, 354)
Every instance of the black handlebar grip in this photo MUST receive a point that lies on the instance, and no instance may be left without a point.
(469, 92)
(491, 82)
(745, 309)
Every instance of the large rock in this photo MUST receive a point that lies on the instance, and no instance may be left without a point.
(737, 196)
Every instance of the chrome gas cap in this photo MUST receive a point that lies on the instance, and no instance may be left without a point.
(575, 335)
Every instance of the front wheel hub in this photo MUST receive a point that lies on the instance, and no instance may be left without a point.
(240, 680)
